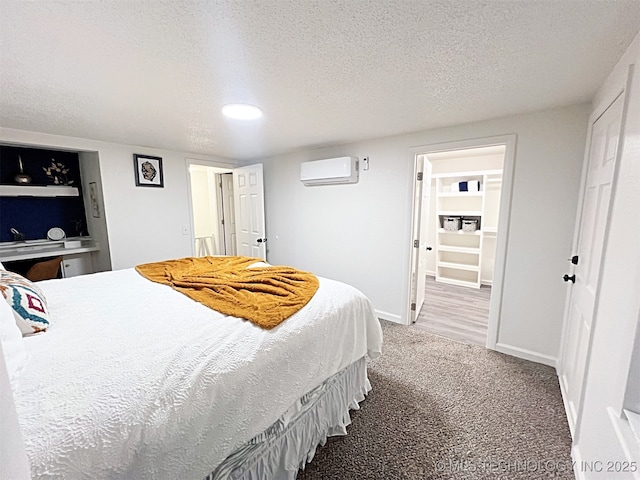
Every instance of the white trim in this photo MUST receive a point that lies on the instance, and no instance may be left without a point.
(210, 163)
(526, 354)
(471, 173)
(391, 317)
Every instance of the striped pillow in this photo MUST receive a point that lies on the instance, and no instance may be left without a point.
(27, 301)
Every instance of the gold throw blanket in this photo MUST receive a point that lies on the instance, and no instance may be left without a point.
(265, 296)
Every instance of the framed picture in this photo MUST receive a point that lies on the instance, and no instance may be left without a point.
(93, 195)
(148, 171)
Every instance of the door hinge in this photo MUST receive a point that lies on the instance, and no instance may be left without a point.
(420, 176)
(416, 244)
(413, 307)
(222, 221)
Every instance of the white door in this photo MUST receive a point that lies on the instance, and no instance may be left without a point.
(248, 193)
(422, 194)
(228, 214)
(590, 242)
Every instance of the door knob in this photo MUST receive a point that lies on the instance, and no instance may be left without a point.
(429, 248)
(260, 240)
(566, 278)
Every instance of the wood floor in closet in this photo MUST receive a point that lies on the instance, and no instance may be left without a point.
(459, 313)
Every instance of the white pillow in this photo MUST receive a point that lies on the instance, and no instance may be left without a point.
(2, 266)
(15, 353)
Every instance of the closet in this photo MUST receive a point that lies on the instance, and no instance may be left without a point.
(464, 255)
(467, 225)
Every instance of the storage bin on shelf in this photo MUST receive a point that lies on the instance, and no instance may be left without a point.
(451, 224)
(469, 225)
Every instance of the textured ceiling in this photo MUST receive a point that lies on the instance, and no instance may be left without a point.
(325, 72)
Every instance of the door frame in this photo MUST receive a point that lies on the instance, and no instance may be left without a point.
(603, 103)
(204, 163)
(502, 240)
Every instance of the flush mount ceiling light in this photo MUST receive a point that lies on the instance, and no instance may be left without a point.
(241, 111)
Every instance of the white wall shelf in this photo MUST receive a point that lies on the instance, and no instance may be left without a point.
(458, 232)
(460, 213)
(460, 194)
(459, 266)
(470, 250)
(38, 191)
(459, 254)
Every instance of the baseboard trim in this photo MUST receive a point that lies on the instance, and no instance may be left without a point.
(389, 316)
(526, 354)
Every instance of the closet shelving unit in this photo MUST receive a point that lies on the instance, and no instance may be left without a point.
(459, 253)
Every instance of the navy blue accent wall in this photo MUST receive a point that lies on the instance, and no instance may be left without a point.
(33, 216)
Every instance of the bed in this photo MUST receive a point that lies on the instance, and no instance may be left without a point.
(135, 380)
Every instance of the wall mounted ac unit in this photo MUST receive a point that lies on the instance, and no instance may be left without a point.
(330, 171)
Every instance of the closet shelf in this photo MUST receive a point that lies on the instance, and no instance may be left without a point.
(455, 281)
(459, 266)
(461, 213)
(458, 232)
(460, 194)
(451, 248)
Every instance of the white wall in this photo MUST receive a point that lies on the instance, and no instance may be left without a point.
(144, 224)
(600, 433)
(360, 233)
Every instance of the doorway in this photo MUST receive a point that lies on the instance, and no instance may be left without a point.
(464, 243)
(227, 209)
(213, 211)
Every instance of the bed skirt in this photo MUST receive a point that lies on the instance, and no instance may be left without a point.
(291, 442)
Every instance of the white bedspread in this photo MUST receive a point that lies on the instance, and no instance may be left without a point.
(134, 380)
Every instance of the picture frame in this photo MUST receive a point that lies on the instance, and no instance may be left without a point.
(148, 171)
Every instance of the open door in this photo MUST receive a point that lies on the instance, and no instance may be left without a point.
(422, 197)
(248, 193)
(586, 264)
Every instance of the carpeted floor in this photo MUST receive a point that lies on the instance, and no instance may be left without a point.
(443, 409)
